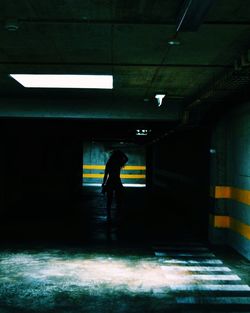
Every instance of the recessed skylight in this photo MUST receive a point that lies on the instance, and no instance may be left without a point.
(64, 81)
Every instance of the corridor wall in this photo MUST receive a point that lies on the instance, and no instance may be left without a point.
(40, 178)
(230, 180)
(179, 176)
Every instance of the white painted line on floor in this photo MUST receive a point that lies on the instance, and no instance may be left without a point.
(160, 245)
(201, 277)
(209, 287)
(196, 268)
(177, 254)
(213, 300)
(176, 261)
(125, 185)
(180, 248)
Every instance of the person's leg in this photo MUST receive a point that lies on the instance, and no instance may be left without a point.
(109, 203)
(119, 195)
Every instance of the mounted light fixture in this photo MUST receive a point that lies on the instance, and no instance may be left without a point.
(143, 132)
(174, 42)
(159, 98)
(11, 25)
(64, 81)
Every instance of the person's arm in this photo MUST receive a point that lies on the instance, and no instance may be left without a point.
(125, 159)
(104, 180)
(105, 176)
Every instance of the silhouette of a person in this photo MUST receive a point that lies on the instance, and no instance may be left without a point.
(112, 181)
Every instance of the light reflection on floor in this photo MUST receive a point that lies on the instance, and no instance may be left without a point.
(127, 274)
(40, 280)
(80, 281)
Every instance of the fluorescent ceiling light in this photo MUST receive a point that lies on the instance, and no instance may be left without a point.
(64, 81)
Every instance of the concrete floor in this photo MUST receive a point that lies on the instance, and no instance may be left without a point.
(130, 265)
(174, 278)
(146, 216)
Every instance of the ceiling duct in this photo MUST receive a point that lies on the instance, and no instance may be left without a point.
(192, 14)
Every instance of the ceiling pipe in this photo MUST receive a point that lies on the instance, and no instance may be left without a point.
(192, 14)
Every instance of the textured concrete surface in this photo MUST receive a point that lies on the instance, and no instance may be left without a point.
(174, 278)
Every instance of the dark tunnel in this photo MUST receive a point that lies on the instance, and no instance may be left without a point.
(166, 242)
(163, 86)
(48, 183)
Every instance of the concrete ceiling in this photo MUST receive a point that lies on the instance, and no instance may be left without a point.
(126, 38)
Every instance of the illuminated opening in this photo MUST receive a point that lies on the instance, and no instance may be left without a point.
(96, 155)
(64, 81)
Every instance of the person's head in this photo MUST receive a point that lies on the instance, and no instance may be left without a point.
(119, 157)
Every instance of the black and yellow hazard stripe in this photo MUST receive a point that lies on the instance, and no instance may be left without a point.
(228, 192)
(226, 221)
(129, 173)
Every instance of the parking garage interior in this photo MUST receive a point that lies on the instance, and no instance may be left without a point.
(178, 107)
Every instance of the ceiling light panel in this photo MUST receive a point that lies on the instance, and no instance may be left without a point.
(64, 81)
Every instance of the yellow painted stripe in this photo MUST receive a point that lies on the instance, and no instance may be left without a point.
(240, 228)
(241, 195)
(133, 176)
(102, 167)
(134, 167)
(222, 192)
(227, 192)
(228, 222)
(93, 167)
(221, 221)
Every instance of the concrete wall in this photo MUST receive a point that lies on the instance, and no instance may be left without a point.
(230, 180)
(180, 170)
(92, 108)
(40, 164)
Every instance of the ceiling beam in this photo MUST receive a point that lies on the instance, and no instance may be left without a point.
(117, 64)
(119, 22)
